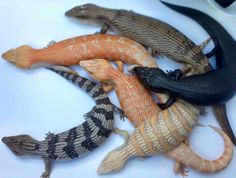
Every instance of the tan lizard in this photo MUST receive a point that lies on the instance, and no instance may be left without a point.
(159, 132)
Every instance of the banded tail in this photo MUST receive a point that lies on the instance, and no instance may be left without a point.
(158, 134)
(186, 156)
(93, 89)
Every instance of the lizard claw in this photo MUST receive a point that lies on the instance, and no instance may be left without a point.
(180, 169)
(120, 112)
(49, 135)
(174, 74)
(45, 175)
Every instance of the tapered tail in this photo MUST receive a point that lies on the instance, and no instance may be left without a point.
(88, 86)
(221, 116)
(186, 156)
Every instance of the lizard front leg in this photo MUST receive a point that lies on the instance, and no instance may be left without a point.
(204, 43)
(120, 66)
(105, 28)
(119, 111)
(176, 74)
(180, 168)
(48, 168)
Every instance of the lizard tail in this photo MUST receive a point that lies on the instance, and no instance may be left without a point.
(222, 117)
(21, 144)
(186, 156)
(19, 56)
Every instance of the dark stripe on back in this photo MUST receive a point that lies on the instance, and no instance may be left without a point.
(74, 78)
(108, 114)
(90, 86)
(102, 132)
(103, 101)
(83, 80)
(99, 92)
(88, 143)
(52, 147)
(70, 148)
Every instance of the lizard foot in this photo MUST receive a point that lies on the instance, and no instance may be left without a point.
(120, 112)
(45, 175)
(180, 169)
(106, 87)
(203, 111)
(49, 135)
(48, 167)
(51, 43)
(122, 133)
(168, 103)
(175, 74)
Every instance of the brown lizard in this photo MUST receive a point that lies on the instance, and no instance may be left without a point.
(160, 37)
(161, 131)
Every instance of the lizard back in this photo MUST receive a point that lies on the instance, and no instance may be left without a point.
(78, 140)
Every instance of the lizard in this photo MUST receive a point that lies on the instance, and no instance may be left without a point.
(71, 51)
(76, 141)
(170, 126)
(145, 141)
(160, 37)
(209, 88)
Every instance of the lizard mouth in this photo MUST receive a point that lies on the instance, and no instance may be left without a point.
(79, 11)
(12, 144)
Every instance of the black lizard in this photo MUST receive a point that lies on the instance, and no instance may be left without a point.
(212, 87)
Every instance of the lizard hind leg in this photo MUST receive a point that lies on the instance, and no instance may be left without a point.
(180, 168)
(119, 111)
(122, 133)
(204, 43)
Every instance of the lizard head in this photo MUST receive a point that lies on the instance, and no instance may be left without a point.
(20, 145)
(98, 69)
(150, 77)
(113, 161)
(83, 11)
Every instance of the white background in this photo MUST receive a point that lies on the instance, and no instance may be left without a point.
(37, 101)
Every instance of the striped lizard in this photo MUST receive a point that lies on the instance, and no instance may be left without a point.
(158, 36)
(76, 141)
(157, 131)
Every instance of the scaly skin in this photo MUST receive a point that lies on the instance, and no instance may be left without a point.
(77, 141)
(143, 142)
(160, 132)
(158, 36)
(150, 32)
(72, 51)
(124, 86)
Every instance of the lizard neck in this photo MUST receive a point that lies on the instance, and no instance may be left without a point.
(104, 13)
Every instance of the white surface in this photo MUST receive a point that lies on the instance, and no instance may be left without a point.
(37, 101)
